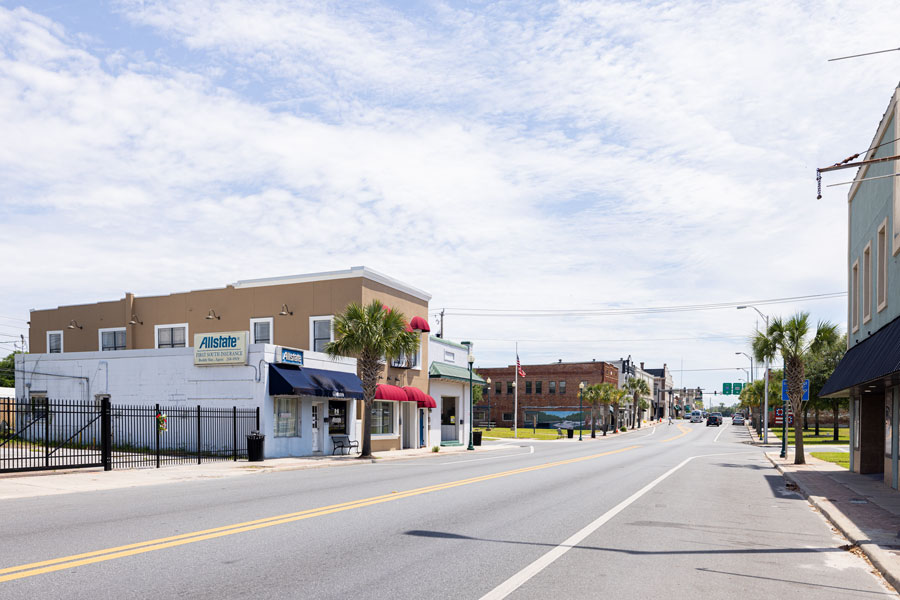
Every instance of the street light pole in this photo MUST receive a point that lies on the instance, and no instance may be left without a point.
(581, 409)
(488, 392)
(471, 359)
(766, 383)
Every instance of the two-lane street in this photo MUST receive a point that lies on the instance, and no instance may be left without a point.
(677, 510)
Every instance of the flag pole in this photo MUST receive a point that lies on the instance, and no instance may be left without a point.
(516, 396)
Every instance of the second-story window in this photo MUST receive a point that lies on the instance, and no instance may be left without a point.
(527, 387)
(112, 340)
(562, 387)
(854, 296)
(261, 330)
(537, 387)
(498, 387)
(320, 333)
(54, 342)
(552, 387)
(509, 387)
(171, 336)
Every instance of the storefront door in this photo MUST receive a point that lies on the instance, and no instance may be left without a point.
(423, 420)
(317, 409)
(449, 432)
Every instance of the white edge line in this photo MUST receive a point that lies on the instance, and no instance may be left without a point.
(516, 581)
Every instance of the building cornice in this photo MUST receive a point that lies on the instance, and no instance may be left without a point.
(352, 272)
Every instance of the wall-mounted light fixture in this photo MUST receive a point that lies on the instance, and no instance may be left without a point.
(73, 324)
(212, 315)
(134, 320)
(284, 311)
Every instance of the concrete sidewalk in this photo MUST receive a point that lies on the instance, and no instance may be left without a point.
(44, 483)
(865, 510)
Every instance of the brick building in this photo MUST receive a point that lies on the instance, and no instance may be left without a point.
(548, 394)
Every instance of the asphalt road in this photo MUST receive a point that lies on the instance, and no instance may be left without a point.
(679, 511)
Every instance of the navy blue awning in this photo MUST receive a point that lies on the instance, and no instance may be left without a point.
(303, 381)
(876, 357)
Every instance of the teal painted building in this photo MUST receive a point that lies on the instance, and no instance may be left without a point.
(869, 374)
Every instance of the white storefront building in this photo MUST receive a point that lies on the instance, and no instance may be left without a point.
(448, 384)
(303, 397)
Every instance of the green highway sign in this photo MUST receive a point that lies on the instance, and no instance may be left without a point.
(736, 389)
(726, 389)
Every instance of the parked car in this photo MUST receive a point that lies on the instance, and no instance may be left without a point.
(737, 419)
(714, 419)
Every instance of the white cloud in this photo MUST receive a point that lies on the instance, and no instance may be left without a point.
(572, 155)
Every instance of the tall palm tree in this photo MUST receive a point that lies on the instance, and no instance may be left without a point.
(593, 396)
(792, 340)
(372, 334)
(638, 388)
(613, 396)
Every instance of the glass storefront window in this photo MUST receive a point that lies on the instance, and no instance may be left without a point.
(337, 416)
(382, 418)
(287, 417)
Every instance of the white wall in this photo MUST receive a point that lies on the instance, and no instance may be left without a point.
(437, 351)
(169, 377)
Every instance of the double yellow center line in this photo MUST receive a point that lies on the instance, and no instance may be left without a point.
(77, 560)
(684, 431)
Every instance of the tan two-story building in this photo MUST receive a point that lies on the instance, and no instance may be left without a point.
(278, 316)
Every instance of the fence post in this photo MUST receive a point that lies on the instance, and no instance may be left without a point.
(234, 431)
(198, 434)
(156, 427)
(106, 434)
(47, 433)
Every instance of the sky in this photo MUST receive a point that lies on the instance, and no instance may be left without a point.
(515, 156)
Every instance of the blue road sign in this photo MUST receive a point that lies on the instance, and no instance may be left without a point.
(784, 392)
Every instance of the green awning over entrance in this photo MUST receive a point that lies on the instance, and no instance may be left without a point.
(442, 370)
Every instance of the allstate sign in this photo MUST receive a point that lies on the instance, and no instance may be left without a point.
(223, 348)
(290, 356)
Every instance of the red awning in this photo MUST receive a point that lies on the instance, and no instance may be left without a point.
(420, 324)
(390, 392)
(421, 398)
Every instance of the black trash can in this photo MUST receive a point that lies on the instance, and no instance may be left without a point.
(255, 443)
(476, 438)
(570, 433)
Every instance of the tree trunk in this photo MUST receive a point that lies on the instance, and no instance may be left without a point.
(806, 417)
(593, 424)
(368, 369)
(795, 375)
(615, 417)
(817, 420)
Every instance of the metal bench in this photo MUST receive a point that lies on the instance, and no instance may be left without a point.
(342, 442)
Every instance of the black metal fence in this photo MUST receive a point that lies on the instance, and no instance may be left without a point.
(40, 434)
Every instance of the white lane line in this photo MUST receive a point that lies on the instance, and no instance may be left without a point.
(456, 462)
(720, 433)
(516, 581)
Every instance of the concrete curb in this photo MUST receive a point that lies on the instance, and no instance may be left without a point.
(883, 560)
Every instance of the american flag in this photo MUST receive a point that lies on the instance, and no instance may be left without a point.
(519, 367)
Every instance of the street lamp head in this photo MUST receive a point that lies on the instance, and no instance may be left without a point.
(581, 386)
(488, 381)
(741, 307)
(470, 358)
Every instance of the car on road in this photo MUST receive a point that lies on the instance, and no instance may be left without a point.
(696, 417)
(714, 419)
(737, 419)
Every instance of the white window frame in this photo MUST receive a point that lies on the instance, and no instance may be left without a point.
(395, 425)
(187, 336)
(854, 300)
(312, 329)
(881, 265)
(449, 356)
(62, 339)
(100, 333)
(895, 237)
(270, 321)
(867, 283)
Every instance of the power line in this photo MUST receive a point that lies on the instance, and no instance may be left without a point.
(497, 312)
(603, 341)
(863, 54)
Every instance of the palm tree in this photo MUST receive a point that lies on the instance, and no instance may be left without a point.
(593, 396)
(791, 339)
(613, 396)
(638, 388)
(372, 333)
